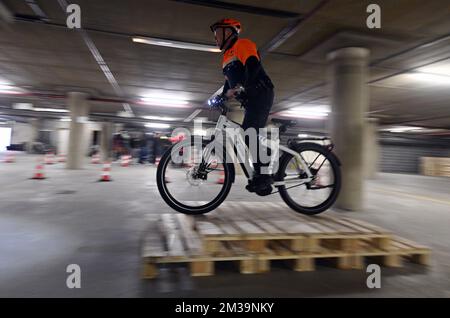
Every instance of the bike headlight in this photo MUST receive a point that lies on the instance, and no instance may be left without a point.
(213, 101)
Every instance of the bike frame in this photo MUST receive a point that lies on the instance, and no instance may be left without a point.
(243, 154)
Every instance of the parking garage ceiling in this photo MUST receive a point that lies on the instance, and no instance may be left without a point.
(46, 60)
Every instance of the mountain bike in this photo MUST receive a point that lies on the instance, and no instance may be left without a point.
(308, 177)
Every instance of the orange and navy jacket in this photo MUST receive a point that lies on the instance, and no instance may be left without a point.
(241, 64)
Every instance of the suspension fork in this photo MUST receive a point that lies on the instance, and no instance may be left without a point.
(206, 155)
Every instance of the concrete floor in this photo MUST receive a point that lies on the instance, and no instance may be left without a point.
(71, 218)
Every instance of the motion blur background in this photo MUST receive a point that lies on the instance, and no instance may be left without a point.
(138, 69)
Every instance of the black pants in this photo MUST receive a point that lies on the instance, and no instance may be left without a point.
(257, 108)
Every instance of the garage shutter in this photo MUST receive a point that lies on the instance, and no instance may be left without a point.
(406, 158)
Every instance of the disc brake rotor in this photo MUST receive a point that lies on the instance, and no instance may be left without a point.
(190, 176)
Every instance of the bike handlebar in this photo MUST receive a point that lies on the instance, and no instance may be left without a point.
(219, 100)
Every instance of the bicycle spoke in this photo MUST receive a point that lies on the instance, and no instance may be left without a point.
(195, 179)
(310, 193)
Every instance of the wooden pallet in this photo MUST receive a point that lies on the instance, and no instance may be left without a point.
(262, 223)
(255, 234)
(435, 166)
(393, 256)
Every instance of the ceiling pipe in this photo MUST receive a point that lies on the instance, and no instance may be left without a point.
(241, 8)
(292, 28)
(37, 10)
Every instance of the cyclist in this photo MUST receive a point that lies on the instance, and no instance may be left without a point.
(247, 82)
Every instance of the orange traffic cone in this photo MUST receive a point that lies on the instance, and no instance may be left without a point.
(49, 158)
(61, 158)
(106, 172)
(125, 161)
(39, 172)
(95, 159)
(9, 158)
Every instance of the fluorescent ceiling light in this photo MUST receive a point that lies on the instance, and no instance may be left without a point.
(431, 78)
(176, 44)
(400, 129)
(157, 125)
(439, 68)
(165, 100)
(161, 118)
(10, 92)
(302, 135)
(308, 112)
(312, 108)
(165, 95)
(65, 119)
(23, 106)
(6, 87)
(55, 110)
(4, 81)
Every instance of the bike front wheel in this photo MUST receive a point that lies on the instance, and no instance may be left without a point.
(189, 183)
(322, 191)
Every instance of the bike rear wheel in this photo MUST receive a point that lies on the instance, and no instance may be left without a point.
(318, 195)
(189, 184)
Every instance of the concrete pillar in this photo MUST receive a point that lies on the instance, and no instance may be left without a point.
(371, 148)
(79, 112)
(350, 99)
(35, 124)
(106, 141)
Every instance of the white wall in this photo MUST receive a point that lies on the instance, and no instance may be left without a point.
(59, 131)
(5, 138)
(21, 132)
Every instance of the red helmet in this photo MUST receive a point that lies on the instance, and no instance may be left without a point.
(227, 23)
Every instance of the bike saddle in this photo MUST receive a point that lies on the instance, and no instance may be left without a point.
(284, 124)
